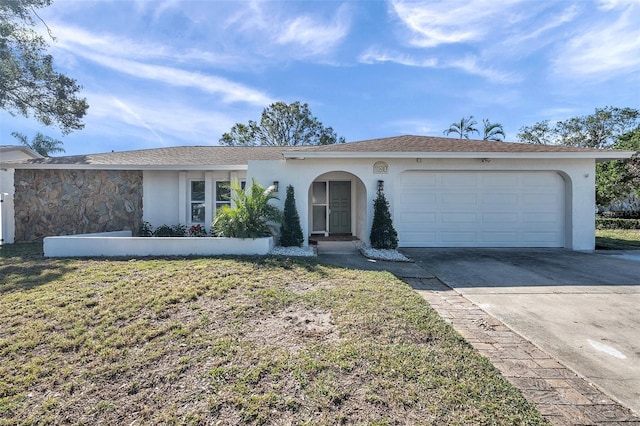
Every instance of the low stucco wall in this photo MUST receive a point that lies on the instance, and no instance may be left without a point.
(68, 202)
(122, 244)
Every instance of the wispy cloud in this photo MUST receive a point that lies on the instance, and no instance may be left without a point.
(605, 49)
(468, 63)
(315, 36)
(434, 23)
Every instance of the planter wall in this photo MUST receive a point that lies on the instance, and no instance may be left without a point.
(113, 244)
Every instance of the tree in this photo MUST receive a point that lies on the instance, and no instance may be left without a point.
(28, 82)
(282, 124)
(615, 180)
(383, 234)
(290, 231)
(492, 131)
(598, 130)
(252, 215)
(539, 134)
(463, 128)
(43, 145)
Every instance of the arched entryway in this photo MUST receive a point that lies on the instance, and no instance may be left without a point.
(338, 206)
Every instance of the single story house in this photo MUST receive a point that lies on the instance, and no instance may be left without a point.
(442, 192)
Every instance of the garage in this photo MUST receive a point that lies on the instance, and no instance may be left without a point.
(480, 209)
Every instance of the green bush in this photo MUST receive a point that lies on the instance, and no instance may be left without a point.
(617, 223)
(170, 231)
(251, 217)
(290, 231)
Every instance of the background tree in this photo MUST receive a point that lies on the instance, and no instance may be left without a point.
(383, 234)
(282, 124)
(43, 145)
(598, 130)
(615, 180)
(492, 131)
(28, 82)
(290, 230)
(463, 128)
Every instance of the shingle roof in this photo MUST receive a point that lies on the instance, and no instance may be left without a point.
(174, 156)
(409, 143)
(210, 157)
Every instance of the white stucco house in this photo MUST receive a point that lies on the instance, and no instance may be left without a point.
(442, 192)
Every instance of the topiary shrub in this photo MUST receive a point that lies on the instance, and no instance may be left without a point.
(383, 234)
(290, 231)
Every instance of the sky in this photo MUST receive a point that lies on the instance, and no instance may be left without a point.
(160, 73)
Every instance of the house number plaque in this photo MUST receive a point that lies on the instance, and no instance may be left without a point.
(380, 168)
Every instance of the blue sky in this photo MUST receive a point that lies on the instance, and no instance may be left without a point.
(168, 73)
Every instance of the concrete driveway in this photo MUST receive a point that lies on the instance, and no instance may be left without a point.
(581, 308)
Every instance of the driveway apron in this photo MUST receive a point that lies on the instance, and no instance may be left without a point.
(581, 308)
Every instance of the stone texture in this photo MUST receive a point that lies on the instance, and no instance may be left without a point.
(68, 202)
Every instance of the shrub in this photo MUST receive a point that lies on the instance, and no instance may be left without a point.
(170, 231)
(290, 231)
(146, 229)
(617, 223)
(251, 217)
(383, 234)
(197, 231)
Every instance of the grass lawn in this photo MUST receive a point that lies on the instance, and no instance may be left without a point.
(232, 341)
(618, 239)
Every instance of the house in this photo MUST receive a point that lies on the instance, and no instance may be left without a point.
(9, 153)
(442, 192)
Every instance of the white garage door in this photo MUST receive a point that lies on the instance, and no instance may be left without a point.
(480, 209)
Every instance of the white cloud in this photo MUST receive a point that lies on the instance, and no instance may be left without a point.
(315, 36)
(444, 22)
(153, 121)
(372, 56)
(607, 48)
(469, 64)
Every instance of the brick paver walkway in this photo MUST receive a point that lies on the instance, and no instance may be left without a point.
(562, 397)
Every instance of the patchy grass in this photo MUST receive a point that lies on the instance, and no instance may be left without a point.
(618, 239)
(232, 341)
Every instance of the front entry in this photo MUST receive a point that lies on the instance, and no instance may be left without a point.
(340, 207)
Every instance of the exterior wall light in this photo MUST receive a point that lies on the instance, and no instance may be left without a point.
(380, 185)
(276, 186)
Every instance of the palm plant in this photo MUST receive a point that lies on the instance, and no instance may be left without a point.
(463, 128)
(252, 216)
(493, 131)
(43, 145)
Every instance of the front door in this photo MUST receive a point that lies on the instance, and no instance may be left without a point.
(340, 207)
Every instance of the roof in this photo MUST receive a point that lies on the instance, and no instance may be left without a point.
(13, 150)
(226, 157)
(439, 147)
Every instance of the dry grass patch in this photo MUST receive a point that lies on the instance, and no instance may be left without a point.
(232, 341)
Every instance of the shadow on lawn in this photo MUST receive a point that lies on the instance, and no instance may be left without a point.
(22, 267)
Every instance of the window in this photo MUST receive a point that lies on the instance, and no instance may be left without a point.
(197, 201)
(223, 194)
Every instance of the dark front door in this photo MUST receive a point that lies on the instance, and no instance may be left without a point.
(340, 207)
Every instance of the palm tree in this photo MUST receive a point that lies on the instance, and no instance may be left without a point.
(493, 131)
(43, 145)
(463, 128)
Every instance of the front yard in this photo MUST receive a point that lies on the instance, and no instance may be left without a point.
(232, 341)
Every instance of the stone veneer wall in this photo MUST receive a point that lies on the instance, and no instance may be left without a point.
(68, 202)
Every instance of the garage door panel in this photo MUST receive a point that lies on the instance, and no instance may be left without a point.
(459, 199)
(480, 209)
(499, 218)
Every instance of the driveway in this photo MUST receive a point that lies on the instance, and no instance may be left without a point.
(581, 308)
